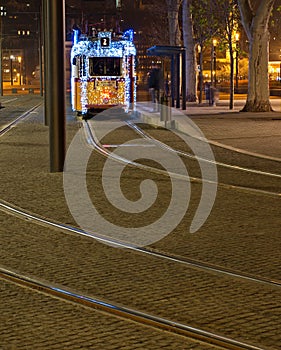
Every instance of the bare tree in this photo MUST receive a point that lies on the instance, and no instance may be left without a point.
(255, 19)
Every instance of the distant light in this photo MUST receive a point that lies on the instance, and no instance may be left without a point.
(23, 32)
(3, 11)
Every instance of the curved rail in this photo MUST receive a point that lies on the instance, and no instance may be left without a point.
(211, 268)
(25, 215)
(191, 156)
(67, 294)
(138, 316)
(92, 140)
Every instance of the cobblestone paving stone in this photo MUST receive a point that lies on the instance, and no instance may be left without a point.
(32, 320)
(13, 106)
(226, 175)
(149, 284)
(248, 240)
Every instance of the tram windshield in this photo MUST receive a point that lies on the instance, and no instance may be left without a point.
(104, 66)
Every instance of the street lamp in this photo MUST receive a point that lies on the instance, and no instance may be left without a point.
(237, 61)
(19, 60)
(12, 57)
(215, 61)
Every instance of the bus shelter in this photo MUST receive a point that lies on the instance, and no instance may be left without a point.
(178, 71)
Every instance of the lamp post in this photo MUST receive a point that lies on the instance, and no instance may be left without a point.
(237, 61)
(215, 61)
(12, 57)
(20, 73)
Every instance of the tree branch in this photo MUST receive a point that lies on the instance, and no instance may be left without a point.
(263, 11)
(247, 15)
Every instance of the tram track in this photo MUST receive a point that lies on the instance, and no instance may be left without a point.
(194, 157)
(253, 173)
(124, 312)
(227, 343)
(77, 297)
(17, 120)
(92, 139)
(10, 209)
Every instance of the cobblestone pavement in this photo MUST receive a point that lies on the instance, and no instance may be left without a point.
(34, 321)
(232, 127)
(243, 232)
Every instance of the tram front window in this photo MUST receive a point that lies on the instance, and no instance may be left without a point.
(105, 66)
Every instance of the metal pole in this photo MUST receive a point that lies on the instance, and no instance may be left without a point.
(178, 80)
(40, 51)
(212, 65)
(45, 58)
(183, 74)
(1, 58)
(215, 66)
(237, 67)
(173, 80)
(11, 70)
(55, 92)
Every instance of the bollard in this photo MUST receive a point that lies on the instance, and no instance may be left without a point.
(162, 113)
(165, 112)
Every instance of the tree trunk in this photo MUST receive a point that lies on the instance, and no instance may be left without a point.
(255, 16)
(173, 20)
(258, 84)
(231, 100)
(188, 41)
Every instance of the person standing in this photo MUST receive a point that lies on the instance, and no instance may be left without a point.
(155, 85)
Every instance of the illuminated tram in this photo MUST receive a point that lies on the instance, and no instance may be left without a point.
(103, 72)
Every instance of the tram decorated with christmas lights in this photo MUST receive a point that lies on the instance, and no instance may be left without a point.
(103, 72)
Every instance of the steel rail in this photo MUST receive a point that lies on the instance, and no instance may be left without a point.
(191, 156)
(94, 142)
(234, 149)
(168, 325)
(7, 127)
(10, 209)
(67, 294)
